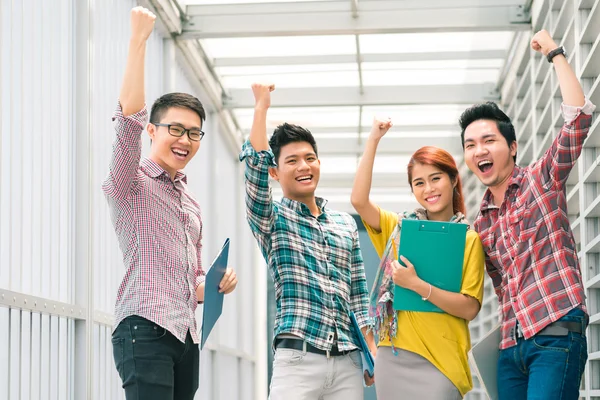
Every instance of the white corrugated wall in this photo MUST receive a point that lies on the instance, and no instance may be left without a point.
(61, 65)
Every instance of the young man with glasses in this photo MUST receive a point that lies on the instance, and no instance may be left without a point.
(159, 227)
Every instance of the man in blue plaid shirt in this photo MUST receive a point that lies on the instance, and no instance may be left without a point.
(314, 257)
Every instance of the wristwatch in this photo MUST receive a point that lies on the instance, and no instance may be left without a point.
(555, 52)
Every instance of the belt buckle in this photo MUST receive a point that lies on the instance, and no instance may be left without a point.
(520, 333)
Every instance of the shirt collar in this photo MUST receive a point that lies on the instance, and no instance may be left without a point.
(302, 208)
(514, 182)
(153, 170)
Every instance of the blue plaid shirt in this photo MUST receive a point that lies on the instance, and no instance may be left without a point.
(315, 262)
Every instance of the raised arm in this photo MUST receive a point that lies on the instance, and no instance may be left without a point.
(131, 116)
(559, 159)
(132, 96)
(262, 102)
(361, 189)
(258, 157)
(570, 88)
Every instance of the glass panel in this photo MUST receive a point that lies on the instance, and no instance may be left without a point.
(212, 2)
(429, 77)
(493, 63)
(422, 134)
(284, 69)
(304, 80)
(385, 164)
(279, 46)
(332, 164)
(443, 114)
(307, 117)
(432, 42)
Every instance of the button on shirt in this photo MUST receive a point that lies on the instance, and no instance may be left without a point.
(530, 249)
(159, 228)
(315, 262)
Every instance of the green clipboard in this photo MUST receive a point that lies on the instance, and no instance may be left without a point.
(437, 250)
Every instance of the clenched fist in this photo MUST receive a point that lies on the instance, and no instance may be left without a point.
(142, 23)
(542, 42)
(380, 127)
(262, 94)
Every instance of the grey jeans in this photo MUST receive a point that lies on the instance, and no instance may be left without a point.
(408, 376)
(299, 375)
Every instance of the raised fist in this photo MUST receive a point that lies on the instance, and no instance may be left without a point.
(380, 127)
(142, 23)
(542, 42)
(262, 94)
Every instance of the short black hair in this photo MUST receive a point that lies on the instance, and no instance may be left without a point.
(289, 133)
(179, 100)
(492, 112)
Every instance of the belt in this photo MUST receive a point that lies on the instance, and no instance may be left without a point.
(557, 328)
(298, 344)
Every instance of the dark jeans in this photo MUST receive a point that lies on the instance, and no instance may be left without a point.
(544, 367)
(152, 363)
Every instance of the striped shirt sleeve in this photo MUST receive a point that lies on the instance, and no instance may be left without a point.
(358, 291)
(259, 199)
(127, 151)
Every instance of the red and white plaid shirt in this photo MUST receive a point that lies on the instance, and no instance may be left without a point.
(159, 227)
(530, 250)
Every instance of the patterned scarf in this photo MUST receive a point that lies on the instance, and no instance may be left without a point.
(383, 317)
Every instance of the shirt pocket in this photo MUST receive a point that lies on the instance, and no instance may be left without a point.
(520, 224)
(340, 245)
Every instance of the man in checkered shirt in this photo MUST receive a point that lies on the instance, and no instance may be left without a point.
(159, 227)
(314, 258)
(531, 255)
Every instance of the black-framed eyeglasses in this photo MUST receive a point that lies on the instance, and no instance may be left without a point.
(178, 131)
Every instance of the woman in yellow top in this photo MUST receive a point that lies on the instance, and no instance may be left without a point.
(420, 355)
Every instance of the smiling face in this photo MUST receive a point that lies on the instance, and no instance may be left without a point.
(298, 171)
(488, 154)
(170, 152)
(434, 191)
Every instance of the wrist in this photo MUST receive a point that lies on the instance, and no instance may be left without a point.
(420, 287)
(551, 46)
(374, 138)
(137, 42)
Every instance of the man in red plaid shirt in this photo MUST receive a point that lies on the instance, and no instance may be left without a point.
(530, 250)
(159, 227)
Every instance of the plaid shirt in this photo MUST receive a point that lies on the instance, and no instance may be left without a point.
(530, 250)
(159, 228)
(315, 262)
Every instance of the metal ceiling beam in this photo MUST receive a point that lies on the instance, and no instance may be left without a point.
(336, 18)
(409, 129)
(380, 180)
(365, 58)
(372, 96)
(391, 146)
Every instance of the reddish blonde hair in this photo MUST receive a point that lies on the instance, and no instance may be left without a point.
(441, 159)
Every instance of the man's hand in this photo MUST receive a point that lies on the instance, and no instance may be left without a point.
(142, 23)
(229, 281)
(405, 277)
(262, 95)
(369, 380)
(542, 42)
(380, 127)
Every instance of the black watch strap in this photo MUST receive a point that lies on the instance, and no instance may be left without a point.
(555, 52)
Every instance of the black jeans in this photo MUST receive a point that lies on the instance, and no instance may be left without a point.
(152, 363)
